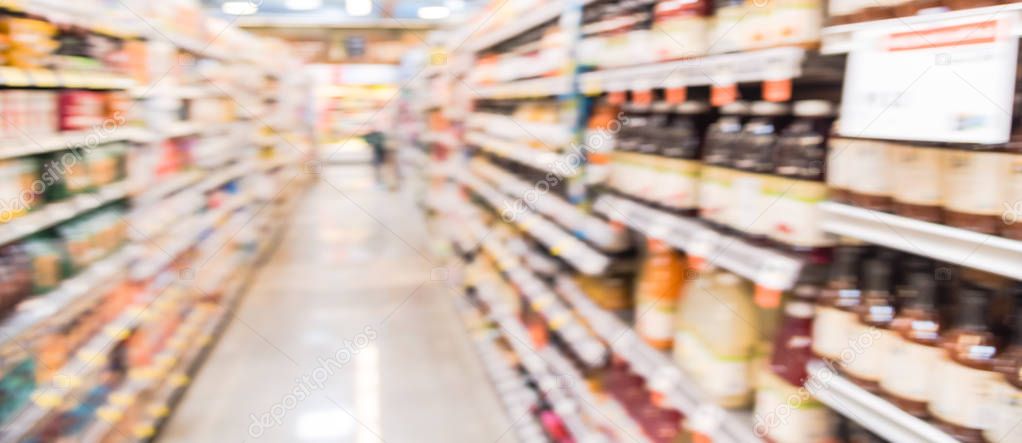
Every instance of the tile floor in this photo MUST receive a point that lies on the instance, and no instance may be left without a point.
(344, 337)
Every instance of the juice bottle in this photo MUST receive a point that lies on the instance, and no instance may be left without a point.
(869, 335)
(599, 142)
(1006, 392)
(965, 373)
(715, 197)
(914, 347)
(835, 314)
(657, 294)
(678, 187)
(794, 195)
(717, 336)
(755, 157)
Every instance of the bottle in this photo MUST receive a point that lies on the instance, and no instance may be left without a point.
(650, 165)
(834, 310)
(755, 156)
(599, 143)
(916, 182)
(1006, 392)
(798, 188)
(975, 186)
(631, 166)
(914, 347)
(681, 21)
(716, 336)
(868, 336)
(657, 294)
(965, 372)
(715, 197)
(870, 174)
(678, 187)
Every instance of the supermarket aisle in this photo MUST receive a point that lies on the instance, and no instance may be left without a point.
(344, 337)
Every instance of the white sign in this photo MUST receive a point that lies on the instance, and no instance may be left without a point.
(952, 82)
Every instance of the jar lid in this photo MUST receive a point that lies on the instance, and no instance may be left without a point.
(692, 108)
(734, 108)
(813, 108)
(769, 108)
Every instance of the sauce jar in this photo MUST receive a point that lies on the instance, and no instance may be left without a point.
(798, 188)
(916, 181)
(678, 188)
(755, 157)
(975, 188)
(869, 173)
(718, 156)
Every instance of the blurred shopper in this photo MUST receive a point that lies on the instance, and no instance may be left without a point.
(375, 139)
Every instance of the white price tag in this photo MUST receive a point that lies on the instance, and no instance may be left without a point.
(947, 82)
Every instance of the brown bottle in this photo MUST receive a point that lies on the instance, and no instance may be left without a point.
(1006, 393)
(975, 188)
(867, 337)
(834, 309)
(965, 371)
(914, 347)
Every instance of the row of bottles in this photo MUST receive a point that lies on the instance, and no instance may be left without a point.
(899, 326)
(753, 168)
(889, 334)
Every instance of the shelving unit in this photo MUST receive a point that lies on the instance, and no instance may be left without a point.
(710, 70)
(55, 213)
(537, 87)
(562, 165)
(869, 410)
(985, 252)
(765, 267)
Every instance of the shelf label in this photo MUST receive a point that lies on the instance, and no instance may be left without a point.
(951, 82)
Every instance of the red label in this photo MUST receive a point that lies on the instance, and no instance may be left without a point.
(958, 35)
(722, 95)
(777, 90)
(617, 97)
(642, 97)
(677, 95)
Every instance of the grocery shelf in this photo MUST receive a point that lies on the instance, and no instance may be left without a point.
(41, 144)
(869, 410)
(588, 227)
(971, 249)
(766, 267)
(841, 39)
(53, 214)
(561, 165)
(544, 301)
(444, 138)
(550, 135)
(532, 88)
(711, 70)
(519, 400)
(19, 329)
(157, 191)
(559, 242)
(660, 372)
(545, 12)
(48, 78)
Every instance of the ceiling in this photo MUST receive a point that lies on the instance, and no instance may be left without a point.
(333, 12)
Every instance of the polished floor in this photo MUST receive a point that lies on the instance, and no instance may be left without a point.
(346, 335)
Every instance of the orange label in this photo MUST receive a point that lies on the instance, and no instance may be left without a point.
(722, 95)
(642, 97)
(676, 95)
(696, 263)
(617, 97)
(701, 438)
(777, 90)
(767, 298)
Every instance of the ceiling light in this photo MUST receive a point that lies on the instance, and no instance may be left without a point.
(455, 5)
(358, 8)
(303, 5)
(434, 12)
(239, 7)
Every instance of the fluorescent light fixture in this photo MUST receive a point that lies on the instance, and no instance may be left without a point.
(303, 5)
(240, 7)
(358, 8)
(434, 12)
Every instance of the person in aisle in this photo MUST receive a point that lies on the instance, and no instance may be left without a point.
(377, 141)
